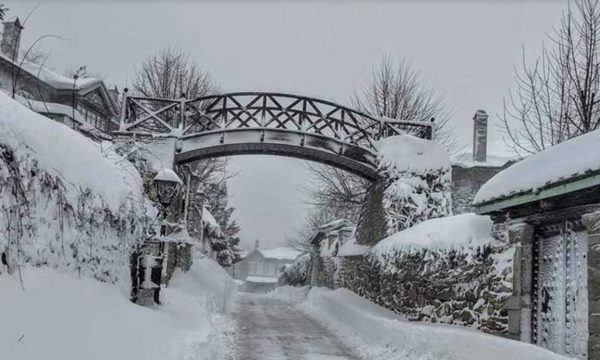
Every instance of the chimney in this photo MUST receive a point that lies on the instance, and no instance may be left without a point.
(480, 136)
(11, 38)
(256, 243)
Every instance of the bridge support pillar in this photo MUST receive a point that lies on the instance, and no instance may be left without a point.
(372, 225)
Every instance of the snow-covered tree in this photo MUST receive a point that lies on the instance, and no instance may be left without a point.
(417, 181)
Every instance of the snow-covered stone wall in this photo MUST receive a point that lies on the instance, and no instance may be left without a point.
(447, 270)
(65, 201)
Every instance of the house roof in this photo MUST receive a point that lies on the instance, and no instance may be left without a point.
(60, 82)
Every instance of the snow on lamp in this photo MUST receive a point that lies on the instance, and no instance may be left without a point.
(167, 185)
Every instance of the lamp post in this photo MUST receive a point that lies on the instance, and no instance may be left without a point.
(149, 266)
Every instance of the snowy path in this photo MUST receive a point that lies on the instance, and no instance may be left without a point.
(270, 329)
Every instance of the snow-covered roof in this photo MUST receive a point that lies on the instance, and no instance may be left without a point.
(62, 150)
(262, 279)
(465, 160)
(575, 158)
(281, 253)
(409, 153)
(335, 225)
(452, 232)
(168, 175)
(53, 79)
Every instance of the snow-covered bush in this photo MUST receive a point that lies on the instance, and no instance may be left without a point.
(298, 272)
(65, 201)
(417, 177)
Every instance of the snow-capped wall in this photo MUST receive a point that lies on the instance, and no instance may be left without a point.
(66, 201)
(447, 270)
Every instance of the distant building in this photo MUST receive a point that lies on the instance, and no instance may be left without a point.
(471, 169)
(84, 104)
(260, 269)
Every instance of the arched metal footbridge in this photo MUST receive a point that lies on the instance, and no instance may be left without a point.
(266, 123)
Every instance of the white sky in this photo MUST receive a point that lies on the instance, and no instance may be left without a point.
(466, 50)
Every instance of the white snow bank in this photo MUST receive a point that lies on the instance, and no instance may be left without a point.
(63, 151)
(378, 333)
(452, 232)
(289, 294)
(281, 253)
(411, 154)
(60, 316)
(560, 162)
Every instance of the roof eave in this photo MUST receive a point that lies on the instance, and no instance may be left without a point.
(530, 197)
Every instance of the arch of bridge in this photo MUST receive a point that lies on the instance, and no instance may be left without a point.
(265, 123)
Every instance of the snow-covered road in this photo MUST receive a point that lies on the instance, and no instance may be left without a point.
(270, 329)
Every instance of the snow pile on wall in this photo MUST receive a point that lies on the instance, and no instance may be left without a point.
(66, 201)
(452, 232)
(417, 178)
(535, 173)
(406, 153)
(378, 333)
(60, 316)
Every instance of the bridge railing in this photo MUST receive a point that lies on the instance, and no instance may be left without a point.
(261, 110)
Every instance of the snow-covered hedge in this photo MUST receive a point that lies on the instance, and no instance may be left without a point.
(447, 270)
(417, 173)
(298, 272)
(65, 201)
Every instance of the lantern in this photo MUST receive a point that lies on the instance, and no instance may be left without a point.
(167, 185)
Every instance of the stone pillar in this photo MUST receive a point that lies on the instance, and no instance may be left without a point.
(372, 226)
(519, 304)
(592, 224)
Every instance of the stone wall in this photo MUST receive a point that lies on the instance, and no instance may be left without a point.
(466, 288)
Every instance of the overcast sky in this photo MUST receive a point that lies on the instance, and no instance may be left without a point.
(465, 50)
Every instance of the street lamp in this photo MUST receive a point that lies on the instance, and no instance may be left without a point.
(167, 185)
(149, 267)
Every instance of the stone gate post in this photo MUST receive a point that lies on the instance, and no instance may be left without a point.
(519, 304)
(592, 223)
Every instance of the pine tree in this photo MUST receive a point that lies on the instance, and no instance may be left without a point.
(217, 199)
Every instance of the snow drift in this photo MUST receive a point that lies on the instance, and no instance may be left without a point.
(378, 333)
(61, 316)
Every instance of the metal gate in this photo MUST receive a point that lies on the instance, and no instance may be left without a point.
(560, 302)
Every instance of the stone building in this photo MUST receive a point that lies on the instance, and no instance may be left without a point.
(471, 169)
(83, 103)
(548, 207)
